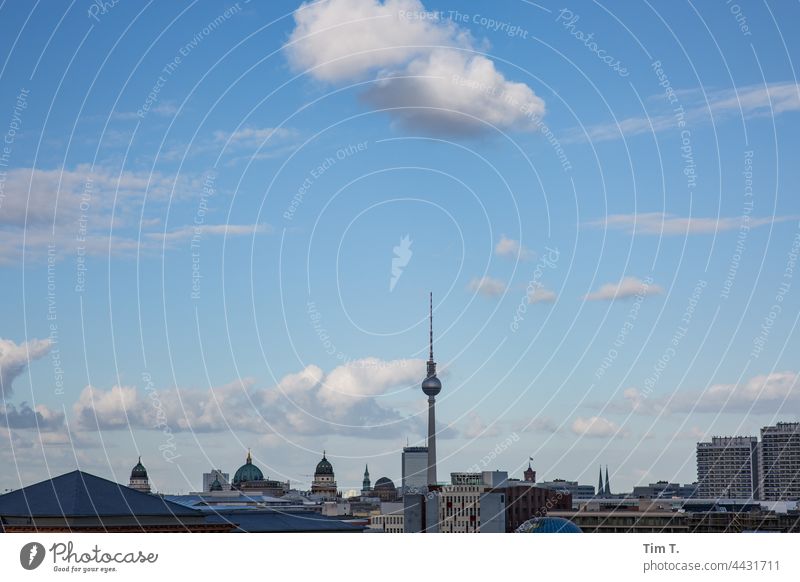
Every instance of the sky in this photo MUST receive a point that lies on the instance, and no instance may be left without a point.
(220, 223)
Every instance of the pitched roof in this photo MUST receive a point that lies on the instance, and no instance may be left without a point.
(77, 494)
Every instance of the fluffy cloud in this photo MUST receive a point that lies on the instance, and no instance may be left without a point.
(541, 295)
(773, 393)
(429, 77)
(596, 426)
(487, 286)
(40, 418)
(475, 427)
(627, 287)
(311, 402)
(508, 247)
(15, 357)
(55, 206)
(657, 223)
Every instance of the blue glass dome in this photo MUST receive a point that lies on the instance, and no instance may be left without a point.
(548, 525)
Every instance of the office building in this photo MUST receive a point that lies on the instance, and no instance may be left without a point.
(414, 469)
(780, 461)
(728, 467)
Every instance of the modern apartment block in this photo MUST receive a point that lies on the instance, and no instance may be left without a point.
(780, 462)
(728, 467)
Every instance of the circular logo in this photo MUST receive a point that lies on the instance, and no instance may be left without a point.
(31, 555)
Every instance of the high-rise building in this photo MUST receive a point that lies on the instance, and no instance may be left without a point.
(215, 475)
(780, 462)
(431, 386)
(414, 469)
(728, 467)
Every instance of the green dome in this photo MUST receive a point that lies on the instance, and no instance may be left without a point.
(324, 467)
(216, 485)
(247, 472)
(139, 472)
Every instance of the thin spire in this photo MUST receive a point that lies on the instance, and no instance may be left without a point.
(431, 363)
(249, 457)
(608, 487)
(600, 483)
(430, 320)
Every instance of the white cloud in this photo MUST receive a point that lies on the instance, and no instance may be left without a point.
(226, 230)
(252, 137)
(41, 418)
(657, 223)
(748, 101)
(57, 207)
(596, 426)
(344, 401)
(763, 394)
(627, 287)
(15, 357)
(508, 247)
(429, 76)
(475, 427)
(540, 294)
(487, 286)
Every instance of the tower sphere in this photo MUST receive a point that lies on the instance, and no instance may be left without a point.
(431, 386)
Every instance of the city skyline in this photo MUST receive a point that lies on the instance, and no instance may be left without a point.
(222, 236)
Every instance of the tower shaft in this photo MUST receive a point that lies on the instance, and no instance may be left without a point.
(431, 440)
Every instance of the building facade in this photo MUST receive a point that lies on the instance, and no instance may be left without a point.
(324, 484)
(780, 462)
(572, 487)
(414, 469)
(223, 479)
(728, 468)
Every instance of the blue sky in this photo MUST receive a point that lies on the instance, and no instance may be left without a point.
(201, 204)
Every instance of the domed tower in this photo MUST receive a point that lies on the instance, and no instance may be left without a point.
(431, 386)
(324, 483)
(139, 479)
(246, 473)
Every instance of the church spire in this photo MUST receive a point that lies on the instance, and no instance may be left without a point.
(608, 487)
(600, 489)
(365, 485)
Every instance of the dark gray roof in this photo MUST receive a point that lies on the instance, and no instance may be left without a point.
(279, 521)
(79, 494)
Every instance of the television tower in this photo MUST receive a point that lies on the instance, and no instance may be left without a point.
(431, 386)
